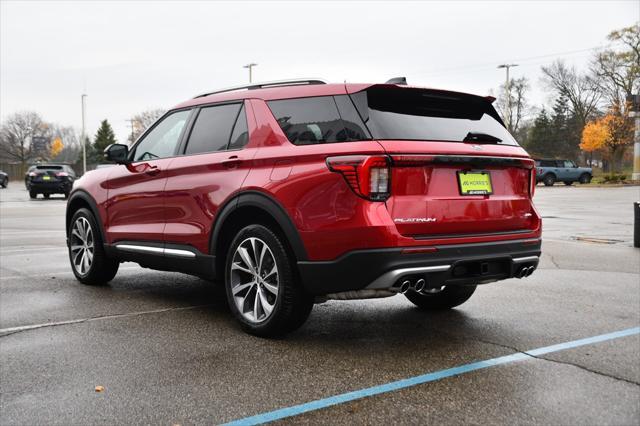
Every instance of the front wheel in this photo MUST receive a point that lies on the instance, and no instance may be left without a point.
(549, 180)
(89, 261)
(446, 297)
(262, 287)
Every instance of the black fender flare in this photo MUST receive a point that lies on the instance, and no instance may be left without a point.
(271, 207)
(93, 206)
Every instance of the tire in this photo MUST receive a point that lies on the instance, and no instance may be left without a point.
(33, 194)
(568, 182)
(5, 183)
(450, 297)
(585, 178)
(101, 269)
(46, 196)
(549, 180)
(66, 195)
(278, 304)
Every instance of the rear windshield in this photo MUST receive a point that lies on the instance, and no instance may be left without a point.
(432, 115)
(49, 167)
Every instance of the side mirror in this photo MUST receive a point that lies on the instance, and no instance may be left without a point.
(117, 153)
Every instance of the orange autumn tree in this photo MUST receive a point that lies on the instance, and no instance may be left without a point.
(611, 133)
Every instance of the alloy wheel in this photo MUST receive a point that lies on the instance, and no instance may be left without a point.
(254, 280)
(82, 246)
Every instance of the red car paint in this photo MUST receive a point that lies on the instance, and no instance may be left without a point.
(177, 199)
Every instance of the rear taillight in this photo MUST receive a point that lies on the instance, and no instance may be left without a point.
(32, 174)
(368, 176)
(62, 174)
(532, 182)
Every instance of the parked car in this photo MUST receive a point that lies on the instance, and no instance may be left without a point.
(47, 179)
(292, 193)
(551, 171)
(4, 179)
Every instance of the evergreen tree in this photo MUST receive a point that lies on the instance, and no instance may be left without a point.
(540, 140)
(104, 137)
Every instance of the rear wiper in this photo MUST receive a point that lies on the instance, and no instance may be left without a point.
(481, 138)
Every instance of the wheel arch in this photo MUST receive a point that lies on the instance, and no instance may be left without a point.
(247, 208)
(78, 200)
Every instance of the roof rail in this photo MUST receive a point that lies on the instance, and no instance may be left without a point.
(294, 82)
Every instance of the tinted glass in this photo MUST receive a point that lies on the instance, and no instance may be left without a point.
(421, 114)
(212, 129)
(548, 163)
(49, 167)
(240, 135)
(309, 121)
(559, 163)
(162, 140)
(353, 125)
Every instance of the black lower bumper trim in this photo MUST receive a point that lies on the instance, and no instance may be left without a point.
(469, 264)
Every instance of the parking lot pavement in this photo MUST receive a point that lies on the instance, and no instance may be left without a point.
(167, 351)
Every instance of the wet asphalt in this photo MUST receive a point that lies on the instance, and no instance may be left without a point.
(167, 351)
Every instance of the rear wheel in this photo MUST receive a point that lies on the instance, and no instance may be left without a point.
(585, 178)
(89, 262)
(549, 180)
(263, 290)
(446, 297)
(33, 194)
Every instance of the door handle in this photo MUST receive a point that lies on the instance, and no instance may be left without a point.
(231, 162)
(152, 170)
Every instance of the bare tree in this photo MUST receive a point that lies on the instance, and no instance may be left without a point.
(513, 111)
(581, 90)
(141, 121)
(16, 134)
(617, 71)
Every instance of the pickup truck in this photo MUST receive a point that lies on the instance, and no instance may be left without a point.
(566, 171)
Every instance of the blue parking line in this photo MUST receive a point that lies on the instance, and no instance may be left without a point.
(425, 378)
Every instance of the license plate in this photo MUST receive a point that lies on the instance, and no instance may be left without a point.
(46, 177)
(475, 183)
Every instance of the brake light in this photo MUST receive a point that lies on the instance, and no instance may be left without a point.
(62, 174)
(368, 176)
(32, 174)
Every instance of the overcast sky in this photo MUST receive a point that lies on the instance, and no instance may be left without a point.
(131, 56)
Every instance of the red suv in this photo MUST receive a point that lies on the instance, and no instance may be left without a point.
(293, 193)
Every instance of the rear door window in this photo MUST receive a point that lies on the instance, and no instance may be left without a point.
(212, 129)
(308, 121)
(240, 134)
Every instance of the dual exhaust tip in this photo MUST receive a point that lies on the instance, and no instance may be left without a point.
(525, 271)
(417, 286)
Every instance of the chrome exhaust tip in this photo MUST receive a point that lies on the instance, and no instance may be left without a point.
(419, 285)
(405, 286)
(520, 272)
(530, 270)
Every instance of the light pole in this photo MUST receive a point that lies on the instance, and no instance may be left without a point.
(508, 89)
(635, 113)
(250, 66)
(82, 141)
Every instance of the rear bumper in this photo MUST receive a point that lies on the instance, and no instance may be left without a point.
(461, 264)
(50, 187)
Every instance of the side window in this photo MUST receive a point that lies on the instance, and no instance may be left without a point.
(559, 163)
(162, 140)
(240, 134)
(569, 164)
(307, 121)
(353, 125)
(212, 129)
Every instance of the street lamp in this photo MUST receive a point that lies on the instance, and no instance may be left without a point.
(250, 66)
(84, 147)
(508, 89)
